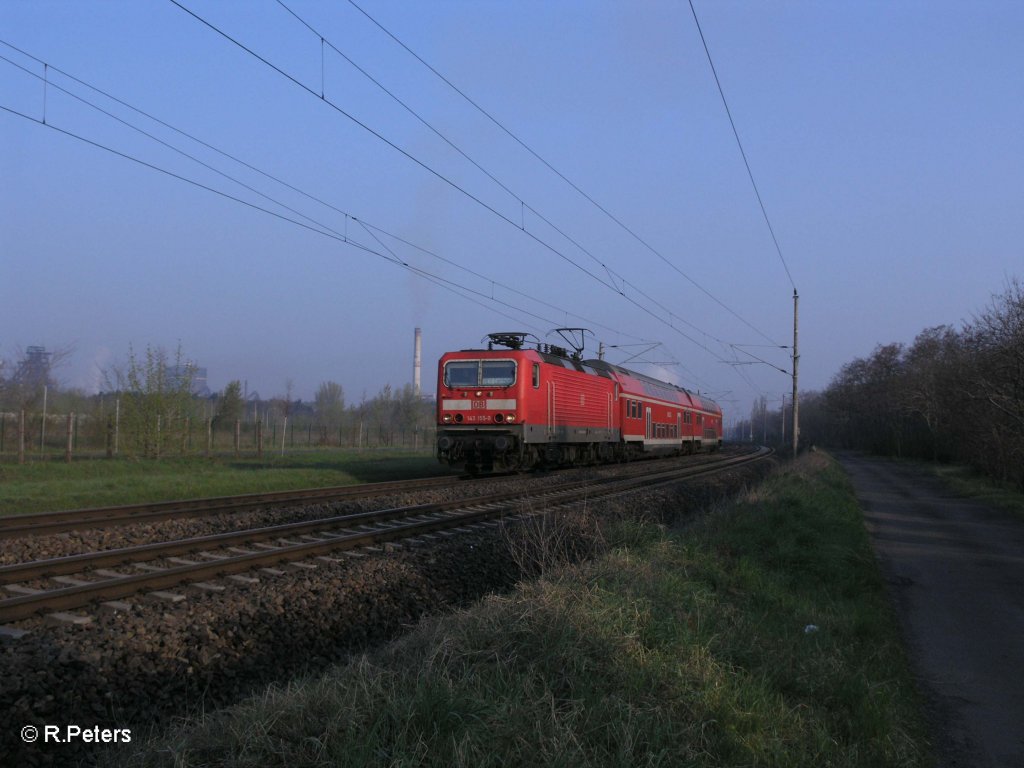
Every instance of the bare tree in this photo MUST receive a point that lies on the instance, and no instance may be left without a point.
(156, 400)
(329, 409)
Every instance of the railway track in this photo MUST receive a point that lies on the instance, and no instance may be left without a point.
(237, 552)
(43, 523)
(46, 523)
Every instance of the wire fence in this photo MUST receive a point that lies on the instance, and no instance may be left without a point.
(28, 436)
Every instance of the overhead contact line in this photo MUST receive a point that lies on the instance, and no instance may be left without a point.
(558, 173)
(445, 179)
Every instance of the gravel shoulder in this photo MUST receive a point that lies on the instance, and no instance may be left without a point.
(955, 568)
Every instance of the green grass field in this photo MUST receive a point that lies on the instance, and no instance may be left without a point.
(53, 485)
(692, 647)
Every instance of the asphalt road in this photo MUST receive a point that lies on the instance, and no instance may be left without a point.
(956, 571)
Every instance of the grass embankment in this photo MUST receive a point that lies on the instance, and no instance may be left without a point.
(964, 481)
(677, 648)
(44, 486)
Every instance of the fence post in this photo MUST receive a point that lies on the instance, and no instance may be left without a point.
(70, 435)
(110, 437)
(42, 424)
(259, 438)
(238, 436)
(21, 438)
(209, 437)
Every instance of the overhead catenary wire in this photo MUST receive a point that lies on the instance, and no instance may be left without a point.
(320, 228)
(584, 194)
(739, 143)
(348, 215)
(390, 258)
(561, 175)
(313, 227)
(524, 206)
(437, 174)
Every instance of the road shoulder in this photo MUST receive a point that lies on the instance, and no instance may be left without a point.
(955, 568)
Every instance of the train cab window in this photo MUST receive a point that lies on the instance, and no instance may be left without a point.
(479, 373)
(461, 373)
(536, 375)
(497, 373)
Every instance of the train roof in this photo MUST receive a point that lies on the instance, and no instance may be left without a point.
(557, 356)
(656, 387)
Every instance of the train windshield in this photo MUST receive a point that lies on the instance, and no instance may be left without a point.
(479, 373)
(497, 373)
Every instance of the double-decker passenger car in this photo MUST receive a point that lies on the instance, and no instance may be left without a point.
(516, 408)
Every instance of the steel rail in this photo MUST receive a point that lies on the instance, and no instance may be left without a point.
(495, 506)
(42, 523)
(59, 566)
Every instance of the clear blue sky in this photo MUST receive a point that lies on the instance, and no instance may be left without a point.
(887, 140)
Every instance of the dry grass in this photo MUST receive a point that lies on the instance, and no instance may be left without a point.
(678, 649)
(540, 542)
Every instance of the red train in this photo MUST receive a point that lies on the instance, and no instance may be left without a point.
(517, 408)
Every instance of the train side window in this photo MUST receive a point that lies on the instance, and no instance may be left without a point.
(536, 375)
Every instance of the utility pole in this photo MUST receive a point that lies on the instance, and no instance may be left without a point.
(783, 418)
(796, 365)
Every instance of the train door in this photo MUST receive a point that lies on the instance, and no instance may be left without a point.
(649, 433)
(551, 409)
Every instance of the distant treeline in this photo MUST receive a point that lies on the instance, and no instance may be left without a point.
(152, 411)
(951, 395)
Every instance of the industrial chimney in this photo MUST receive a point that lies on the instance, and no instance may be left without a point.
(416, 355)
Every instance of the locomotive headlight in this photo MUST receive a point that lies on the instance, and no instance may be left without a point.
(510, 418)
(447, 419)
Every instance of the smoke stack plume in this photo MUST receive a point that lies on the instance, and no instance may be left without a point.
(416, 356)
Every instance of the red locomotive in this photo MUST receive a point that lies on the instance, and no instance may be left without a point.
(516, 408)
